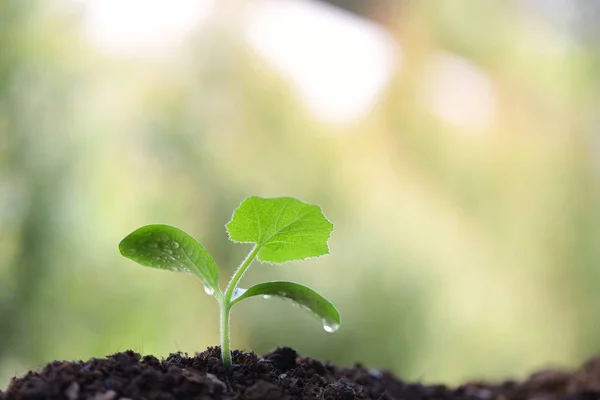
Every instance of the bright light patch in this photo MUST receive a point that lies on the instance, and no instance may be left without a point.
(142, 27)
(339, 63)
(458, 92)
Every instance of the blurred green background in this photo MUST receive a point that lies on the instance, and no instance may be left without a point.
(455, 146)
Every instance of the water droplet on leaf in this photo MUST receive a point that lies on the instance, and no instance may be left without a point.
(175, 244)
(237, 293)
(330, 326)
(209, 291)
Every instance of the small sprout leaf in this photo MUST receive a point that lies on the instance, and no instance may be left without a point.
(169, 248)
(284, 228)
(299, 294)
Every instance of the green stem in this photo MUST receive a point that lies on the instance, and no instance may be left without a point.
(239, 273)
(225, 353)
(226, 305)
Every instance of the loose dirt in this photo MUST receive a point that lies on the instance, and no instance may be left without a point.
(280, 374)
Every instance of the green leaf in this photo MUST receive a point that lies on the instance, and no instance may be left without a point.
(169, 248)
(300, 294)
(284, 228)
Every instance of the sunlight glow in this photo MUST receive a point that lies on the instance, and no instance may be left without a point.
(339, 63)
(141, 27)
(458, 92)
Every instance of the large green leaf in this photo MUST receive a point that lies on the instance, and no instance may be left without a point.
(286, 229)
(169, 248)
(300, 294)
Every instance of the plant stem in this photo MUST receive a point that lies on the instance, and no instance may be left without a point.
(226, 305)
(225, 353)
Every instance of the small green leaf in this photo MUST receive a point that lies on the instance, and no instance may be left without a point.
(169, 248)
(286, 229)
(300, 294)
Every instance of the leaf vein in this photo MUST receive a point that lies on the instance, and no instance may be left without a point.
(282, 228)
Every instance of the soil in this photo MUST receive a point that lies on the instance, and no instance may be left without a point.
(280, 374)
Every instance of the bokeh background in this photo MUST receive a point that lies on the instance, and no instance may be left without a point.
(455, 146)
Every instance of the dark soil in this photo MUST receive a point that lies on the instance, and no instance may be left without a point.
(280, 374)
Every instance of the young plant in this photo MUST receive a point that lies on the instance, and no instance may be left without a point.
(281, 229)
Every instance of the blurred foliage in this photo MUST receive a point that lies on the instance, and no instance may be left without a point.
(456, 252)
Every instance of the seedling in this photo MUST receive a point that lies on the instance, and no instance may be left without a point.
(282, 229)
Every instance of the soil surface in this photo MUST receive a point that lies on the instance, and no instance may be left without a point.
(280, 374)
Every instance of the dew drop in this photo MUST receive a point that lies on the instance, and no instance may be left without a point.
(237, 293)
(330, 326)
(209, 291)
(168, 251)
(175, 244)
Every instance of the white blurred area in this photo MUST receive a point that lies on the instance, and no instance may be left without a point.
(458, 92)
(143, 28)
(338, 63)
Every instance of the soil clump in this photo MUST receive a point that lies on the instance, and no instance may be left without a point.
(280, 374)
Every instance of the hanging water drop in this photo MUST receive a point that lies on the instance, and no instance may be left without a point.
(330, 326)
(267, 296)
(209, 291)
